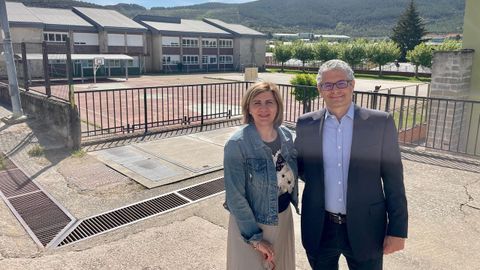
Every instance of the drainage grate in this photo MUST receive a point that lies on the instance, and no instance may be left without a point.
(14, 182)
(130, 214)
(41, 214)
(203, 190)
(42, 218)
(127, 215)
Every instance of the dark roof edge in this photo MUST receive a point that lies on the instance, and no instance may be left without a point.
(26, 24)
(53, 27)
(88, 19)
(154, 18)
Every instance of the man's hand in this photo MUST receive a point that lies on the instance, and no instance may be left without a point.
(392, 244)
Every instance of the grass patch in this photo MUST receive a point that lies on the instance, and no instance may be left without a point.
(36, 151)
(409, 119)
(78, 153)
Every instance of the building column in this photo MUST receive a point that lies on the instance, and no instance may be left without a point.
(449, 120)
(471, 40)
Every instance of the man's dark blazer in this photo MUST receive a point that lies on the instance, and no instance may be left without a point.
(376, 202)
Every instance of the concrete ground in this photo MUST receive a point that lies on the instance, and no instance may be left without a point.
(444, 205)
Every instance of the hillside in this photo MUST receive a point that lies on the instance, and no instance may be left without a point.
(349, 17)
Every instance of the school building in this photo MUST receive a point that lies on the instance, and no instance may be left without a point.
(129, 46)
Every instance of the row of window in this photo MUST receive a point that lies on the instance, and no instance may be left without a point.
(55, 37)
(193, 59)
(92, 39)
(135, 40)
(194, 42)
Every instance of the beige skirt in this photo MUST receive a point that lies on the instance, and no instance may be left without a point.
(242, 256)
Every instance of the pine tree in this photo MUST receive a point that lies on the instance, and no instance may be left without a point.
(409, 30)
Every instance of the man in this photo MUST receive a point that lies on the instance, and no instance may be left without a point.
(354, 198)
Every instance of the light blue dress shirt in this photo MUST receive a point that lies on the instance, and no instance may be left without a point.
(337, 143)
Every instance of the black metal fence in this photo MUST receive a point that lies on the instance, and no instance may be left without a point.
(443, 124)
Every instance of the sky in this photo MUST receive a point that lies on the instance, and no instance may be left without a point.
(162, 3)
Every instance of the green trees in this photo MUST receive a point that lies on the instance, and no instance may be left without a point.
(282, 53)
(421, 55)
(382, 53)
(409, 30)
(353, 52)
(302, 52)
(323, 51)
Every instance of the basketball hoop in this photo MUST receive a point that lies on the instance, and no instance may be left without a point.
(97, 62)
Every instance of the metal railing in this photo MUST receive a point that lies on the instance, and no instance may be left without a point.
(115, 111)
(443, 124)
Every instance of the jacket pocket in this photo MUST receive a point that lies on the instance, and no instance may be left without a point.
(257, 171)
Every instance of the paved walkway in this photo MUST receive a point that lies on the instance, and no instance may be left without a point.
(444, 203)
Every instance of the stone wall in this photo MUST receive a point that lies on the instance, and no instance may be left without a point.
(62, 119)
(448, 121)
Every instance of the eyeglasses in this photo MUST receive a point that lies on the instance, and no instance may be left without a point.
(328, 86)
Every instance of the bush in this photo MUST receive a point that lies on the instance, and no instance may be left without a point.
(305, 89)
(36, 151)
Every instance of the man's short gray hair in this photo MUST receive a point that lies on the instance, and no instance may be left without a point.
(335, 64)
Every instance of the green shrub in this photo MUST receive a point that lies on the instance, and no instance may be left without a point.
(78, 153)
(305, 89)
(36, 151)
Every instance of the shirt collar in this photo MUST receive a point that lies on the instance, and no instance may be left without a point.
(350, 113)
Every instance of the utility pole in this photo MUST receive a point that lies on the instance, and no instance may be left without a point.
(12, 72)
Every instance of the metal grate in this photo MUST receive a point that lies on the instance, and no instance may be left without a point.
(14, 182)
(37, 212)
(123, 216)
(127, 215)
(203, 190)
(41, 214)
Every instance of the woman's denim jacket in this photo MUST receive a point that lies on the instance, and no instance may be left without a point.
(251, 179)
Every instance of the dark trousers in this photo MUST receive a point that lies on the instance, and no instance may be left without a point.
(335, 243)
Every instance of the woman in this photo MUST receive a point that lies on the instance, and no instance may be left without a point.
(260, 182)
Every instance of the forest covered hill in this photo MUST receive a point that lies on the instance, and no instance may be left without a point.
(348, 17)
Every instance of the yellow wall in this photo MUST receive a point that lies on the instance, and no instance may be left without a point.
(471, 40)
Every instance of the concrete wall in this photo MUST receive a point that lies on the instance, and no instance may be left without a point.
(471, 40)
(450, 122)
(62, 119)
(249, 51)
(24, 34)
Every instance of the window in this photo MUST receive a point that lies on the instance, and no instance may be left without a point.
(114, 63)
(189, 42)
(170, 41)
(209, 43)
(170, 59)
(225, 43)
(225, 59)
(85, 39)
(116, 39)
(135, 40)
(190, 59)
(55, 37)
(209, 59)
